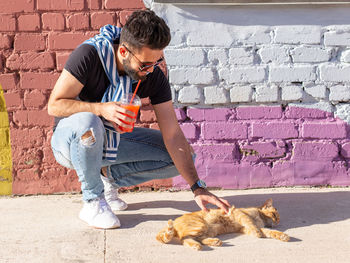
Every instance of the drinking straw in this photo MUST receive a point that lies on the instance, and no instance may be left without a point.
(133, 95)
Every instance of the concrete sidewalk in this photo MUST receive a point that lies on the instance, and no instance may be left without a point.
(47, 229)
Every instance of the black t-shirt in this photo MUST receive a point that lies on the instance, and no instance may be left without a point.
(85, 65)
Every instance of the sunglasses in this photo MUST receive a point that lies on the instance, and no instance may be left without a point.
(145, 65)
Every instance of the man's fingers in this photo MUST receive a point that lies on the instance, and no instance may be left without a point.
(225, 202)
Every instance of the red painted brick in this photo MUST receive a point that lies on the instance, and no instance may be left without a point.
(60, 5)
(29, 42)
(345, 151)
(6, 41)
(31, 174)
(123, 4)
(48, 156)
(41, 81)
(67, 41)
(101, 19)
(61, 59)
(26, 157)
(94, 4)
(189, 130)
(147, 116)
(7, 23)
(8, 81)
(321, 151)
(34, 99)
(248, 113)
(79, 21)
(275, 130)
(33, 118)
(13, 100)
(15, 6)
(324, 130)
(29, 22)
(222, 131)
(123, 16)
(53, 21)
(26, 138)
(31, 60)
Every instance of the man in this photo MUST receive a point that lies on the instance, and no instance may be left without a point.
(79, 139)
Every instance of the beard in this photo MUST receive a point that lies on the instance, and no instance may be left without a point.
(132, 73)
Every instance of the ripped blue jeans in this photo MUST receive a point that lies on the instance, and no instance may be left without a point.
(77, 143)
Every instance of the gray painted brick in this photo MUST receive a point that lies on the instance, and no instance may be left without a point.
(184, 57)
(290, 73)
(337, 39)
(272, 54)
(241, 94)
(243, 75)
(310, 54)
(214, 95)
(298, 35)
(334, 73)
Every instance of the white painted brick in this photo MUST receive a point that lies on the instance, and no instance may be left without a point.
(241, 56)
(342, 112)
(215, 37)
(177, 38)
(266, 94)
(251, 35)
(191, 76)
(334, 73)
(290, 93)
(276, 55)
(339, 93)
(184, 57)
(337, 39)
(214, 95)
(243, 75)
(310, 54)
(290, 74)
(241, 94)
(316, 91)
(218, 56)
(190, 95)
(298, 35)
(324, 106)
(345, 56)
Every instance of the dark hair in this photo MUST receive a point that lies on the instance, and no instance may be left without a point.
(145, 28)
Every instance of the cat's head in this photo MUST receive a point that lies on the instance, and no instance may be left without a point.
(271, 215)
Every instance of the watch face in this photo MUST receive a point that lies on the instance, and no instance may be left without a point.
(202, 184)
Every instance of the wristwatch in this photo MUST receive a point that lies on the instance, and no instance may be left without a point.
(198, 184)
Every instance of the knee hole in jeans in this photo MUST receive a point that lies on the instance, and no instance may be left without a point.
(88, 138)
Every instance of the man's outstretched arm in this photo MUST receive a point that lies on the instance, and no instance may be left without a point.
(181, 153)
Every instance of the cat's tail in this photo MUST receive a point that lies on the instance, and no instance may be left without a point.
(166, 234)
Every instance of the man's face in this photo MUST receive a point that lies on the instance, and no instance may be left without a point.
(139, 63)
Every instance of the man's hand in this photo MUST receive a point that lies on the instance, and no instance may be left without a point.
(117, 115)
(204, 197)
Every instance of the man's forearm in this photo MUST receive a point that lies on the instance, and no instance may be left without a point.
(180, 152)
(67, 107)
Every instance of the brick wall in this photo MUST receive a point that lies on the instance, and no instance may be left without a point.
(36, 38)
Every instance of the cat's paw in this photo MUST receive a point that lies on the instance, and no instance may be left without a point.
(213, 242)
(284, 237)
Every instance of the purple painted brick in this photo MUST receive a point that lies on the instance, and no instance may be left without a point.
(283, 173)
(220, 114)
(219, 152)
(261, 150)
(325, 151)
(221, 175)
(189, 130)
(247, 113)
(324, 130)
(275, 130)
(195, 114)
(303, 113)
(341, 175)
(260, 176)
(222, 131)
(345, 151)
(180, 114)
(312, 172)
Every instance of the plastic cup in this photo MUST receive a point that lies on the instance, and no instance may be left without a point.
(134, 107)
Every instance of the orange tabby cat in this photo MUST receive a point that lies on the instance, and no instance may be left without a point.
(201, 227)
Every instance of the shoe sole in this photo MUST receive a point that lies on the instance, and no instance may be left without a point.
(100, 228)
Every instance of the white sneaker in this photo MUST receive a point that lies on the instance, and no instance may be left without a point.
(97, 213)
(112, 196)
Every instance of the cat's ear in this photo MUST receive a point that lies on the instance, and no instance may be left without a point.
(268, 203)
